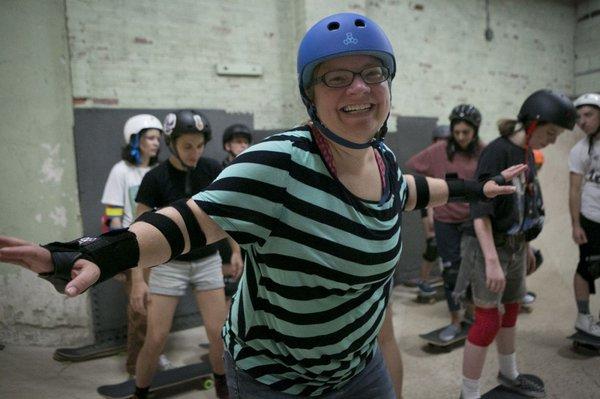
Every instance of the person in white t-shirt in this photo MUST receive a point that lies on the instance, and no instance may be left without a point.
(142, 142)
(584, 205)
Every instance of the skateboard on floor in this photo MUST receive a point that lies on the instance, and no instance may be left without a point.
(502, 392)
(434, 341)
(585, 343)
(89, 352)
(180, 379)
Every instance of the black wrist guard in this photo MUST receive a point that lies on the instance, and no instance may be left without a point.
(460, 190)
(113, 252)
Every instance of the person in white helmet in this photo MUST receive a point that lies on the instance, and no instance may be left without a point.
(584, 206)
(140, 153)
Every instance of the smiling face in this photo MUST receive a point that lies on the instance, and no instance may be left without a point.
(463, 133)
(545, 135)
(355, 112)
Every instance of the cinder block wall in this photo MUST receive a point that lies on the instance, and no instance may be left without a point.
(152, 54)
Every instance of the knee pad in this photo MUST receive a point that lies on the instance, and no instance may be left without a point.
(511, 311)
(450, 275)
(431, 251)
(486, 326)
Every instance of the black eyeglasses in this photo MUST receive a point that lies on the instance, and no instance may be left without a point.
(344, 78)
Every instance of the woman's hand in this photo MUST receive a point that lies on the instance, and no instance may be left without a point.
(492, 189)
(37, 259)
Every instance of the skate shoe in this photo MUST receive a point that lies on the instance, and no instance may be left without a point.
(425, 290)
(525, 384)
(585, 324)
(449, 333)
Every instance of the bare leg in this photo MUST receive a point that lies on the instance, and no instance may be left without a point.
(391, 352)
(505, 340)
(161, 309)
(214, 312)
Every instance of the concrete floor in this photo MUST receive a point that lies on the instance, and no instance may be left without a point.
(30, 372)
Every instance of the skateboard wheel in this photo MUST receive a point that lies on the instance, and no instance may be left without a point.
(208, 384)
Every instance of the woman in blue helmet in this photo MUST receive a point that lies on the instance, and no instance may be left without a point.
(317, 210)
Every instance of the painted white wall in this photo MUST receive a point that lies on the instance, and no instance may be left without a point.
(37, 173)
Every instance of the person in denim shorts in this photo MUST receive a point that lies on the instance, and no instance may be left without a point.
(496, 260)
(184, 173)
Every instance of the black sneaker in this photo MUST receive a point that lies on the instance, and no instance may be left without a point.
(525, 384)
(221, 387)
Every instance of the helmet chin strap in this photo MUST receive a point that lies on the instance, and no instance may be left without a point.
(312, 112)
(188, 170)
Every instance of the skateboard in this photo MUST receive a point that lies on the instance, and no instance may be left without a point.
(585, 343)
(192, 376)
(88, 352)
(433, 340)
(502, 392)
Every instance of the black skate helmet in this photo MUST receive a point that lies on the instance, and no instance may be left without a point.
(550, 107)
(234, 130)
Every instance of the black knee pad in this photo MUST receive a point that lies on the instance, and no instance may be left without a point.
(431, 251)
(450, 275)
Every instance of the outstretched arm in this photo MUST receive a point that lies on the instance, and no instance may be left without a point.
(439, 191)
(154, 249)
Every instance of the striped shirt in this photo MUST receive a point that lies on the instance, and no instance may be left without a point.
(319, 267)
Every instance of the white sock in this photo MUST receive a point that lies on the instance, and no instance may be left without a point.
(508, 365)
(470, 388)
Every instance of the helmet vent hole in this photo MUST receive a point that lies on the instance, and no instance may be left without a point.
(359, 22)
(333, 26)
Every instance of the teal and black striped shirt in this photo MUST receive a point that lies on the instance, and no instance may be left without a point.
(319, 264)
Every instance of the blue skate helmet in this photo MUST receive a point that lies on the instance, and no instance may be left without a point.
(335, 36)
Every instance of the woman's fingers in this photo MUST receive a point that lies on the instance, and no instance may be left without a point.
(84, 274)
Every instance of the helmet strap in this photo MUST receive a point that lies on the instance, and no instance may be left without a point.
(312, 112)
(173, 150)
(135, 148)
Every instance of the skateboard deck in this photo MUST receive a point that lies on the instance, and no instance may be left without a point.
(585, 343)
(197, 375)
(88, 352)
(501, 392)
(432, 337)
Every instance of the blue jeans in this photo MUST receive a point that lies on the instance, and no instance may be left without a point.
(373, 382)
